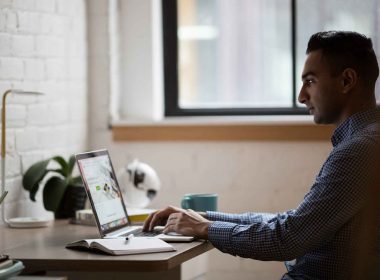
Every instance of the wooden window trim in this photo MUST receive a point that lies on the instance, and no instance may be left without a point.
(221, 132)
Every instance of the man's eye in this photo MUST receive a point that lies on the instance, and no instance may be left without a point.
(308, 82)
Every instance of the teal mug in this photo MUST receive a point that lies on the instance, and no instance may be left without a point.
(200, 202)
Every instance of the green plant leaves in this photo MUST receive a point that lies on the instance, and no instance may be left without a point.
(33, 176)
(62, 162)
(59, 171)
(71, 165)
(53, 193)
(55, 187)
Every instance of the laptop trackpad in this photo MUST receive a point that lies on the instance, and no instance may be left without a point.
(175, 238)
(161, 228)
(172, 236)
(173, 233)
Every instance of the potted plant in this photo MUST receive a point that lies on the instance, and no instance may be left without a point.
(62, 193)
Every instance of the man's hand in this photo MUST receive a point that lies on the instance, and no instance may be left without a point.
(186, 222)
(160, 217)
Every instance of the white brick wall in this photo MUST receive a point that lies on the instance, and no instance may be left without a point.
(42, 48)
(28, 21)
(47, 6)
(11, 68)
(15, 115)
(5, 46)
(34, 69)
(22, 45)
(11, 20)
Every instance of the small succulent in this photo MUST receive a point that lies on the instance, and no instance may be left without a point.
(56, 185)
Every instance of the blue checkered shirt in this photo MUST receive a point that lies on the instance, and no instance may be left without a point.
(317, 238)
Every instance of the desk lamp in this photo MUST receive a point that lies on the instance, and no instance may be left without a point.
(21, 221)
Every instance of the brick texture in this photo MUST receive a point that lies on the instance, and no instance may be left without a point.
(43, 48)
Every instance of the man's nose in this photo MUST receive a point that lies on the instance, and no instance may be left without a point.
(302, 96)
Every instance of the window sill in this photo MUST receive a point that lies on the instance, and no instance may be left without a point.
(268, 128)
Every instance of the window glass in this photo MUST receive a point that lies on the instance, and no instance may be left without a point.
(234, 53)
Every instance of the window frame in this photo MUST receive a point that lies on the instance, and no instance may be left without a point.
(171, 88)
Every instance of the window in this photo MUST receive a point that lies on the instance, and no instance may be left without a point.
(245, 57)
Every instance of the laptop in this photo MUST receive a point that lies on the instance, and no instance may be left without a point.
(106, 199)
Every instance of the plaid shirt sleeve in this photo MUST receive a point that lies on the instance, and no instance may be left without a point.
(244, 218)
(335, 197)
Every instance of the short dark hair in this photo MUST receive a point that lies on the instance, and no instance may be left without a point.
(346, 49)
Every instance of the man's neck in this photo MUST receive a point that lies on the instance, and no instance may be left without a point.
(358, 106)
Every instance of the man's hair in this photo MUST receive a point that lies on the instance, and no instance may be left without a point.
(345, 49)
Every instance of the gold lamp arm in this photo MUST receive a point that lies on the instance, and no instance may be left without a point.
(3, 116)
(3, 153)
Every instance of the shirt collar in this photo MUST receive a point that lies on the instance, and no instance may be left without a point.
(354, 123)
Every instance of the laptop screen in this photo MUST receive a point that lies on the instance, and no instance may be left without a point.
(103, 190)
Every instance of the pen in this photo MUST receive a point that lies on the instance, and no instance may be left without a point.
(129, 237)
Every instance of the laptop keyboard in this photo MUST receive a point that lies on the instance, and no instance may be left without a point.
(148, 233)
(140, 233)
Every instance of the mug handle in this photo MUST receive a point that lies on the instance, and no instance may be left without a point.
(185, 203)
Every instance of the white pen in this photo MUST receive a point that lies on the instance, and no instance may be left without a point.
(129, 237)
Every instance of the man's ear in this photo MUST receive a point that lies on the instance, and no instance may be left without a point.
(349, 80)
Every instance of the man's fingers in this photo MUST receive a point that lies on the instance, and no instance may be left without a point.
(171, 224)
(160, 216)
(173, 216)
(148, 221)
(169, 228)
(155, 220)
(177, 220)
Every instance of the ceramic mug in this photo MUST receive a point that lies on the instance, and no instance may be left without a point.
(200, 202)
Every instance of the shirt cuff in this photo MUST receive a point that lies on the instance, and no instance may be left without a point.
(220, 235)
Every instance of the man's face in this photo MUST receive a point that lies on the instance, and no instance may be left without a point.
(320, 90)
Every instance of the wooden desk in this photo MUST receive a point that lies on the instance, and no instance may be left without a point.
(43, 249)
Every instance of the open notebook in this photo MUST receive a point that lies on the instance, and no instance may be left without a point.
(121, 246)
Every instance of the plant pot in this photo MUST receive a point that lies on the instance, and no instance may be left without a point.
(73, 200)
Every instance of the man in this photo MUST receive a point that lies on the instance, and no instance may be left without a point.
(321, 234)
